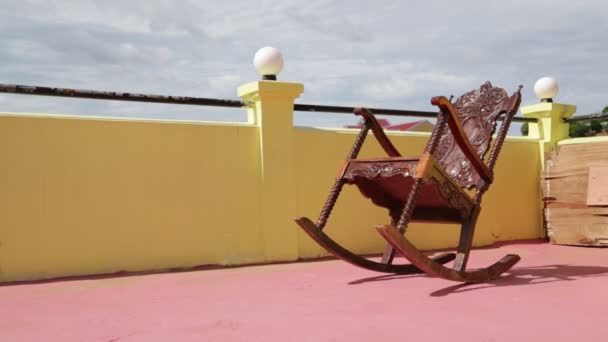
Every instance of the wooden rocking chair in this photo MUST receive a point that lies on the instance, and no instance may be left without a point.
(430, 188)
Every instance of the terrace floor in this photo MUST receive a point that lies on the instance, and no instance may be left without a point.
(556, 293)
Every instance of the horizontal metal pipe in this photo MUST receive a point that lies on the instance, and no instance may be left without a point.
(586, 117)
(349, 110)
(197, 101)
(116, 96)
(380, 111)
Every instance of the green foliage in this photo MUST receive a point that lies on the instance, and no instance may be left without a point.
(524, 129)
(579, 129)
(589, 128)
(595, 126)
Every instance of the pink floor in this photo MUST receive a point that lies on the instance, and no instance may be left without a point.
(555, 293)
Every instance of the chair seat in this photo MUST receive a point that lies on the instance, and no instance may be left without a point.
(388, 181)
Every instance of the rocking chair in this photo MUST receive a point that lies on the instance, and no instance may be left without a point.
(430, 188)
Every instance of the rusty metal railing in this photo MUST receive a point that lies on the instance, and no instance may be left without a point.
(198, 101)
(586, 117)
(116, 96)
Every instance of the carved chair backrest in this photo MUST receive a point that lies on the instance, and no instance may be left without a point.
(478, 111)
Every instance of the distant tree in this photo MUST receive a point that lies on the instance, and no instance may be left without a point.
(524, 129)
(596, 127)
(605, 110)
(578, 129)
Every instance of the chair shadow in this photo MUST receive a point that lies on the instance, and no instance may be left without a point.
(515, 277)
(384, 277)
(529, 276)
(495, 245)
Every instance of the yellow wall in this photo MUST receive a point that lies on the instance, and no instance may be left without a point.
(583, 140)
(84, 196)
(88, 196)
(424, 126)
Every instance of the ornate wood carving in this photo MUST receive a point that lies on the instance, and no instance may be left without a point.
(452, 194)
(478, 111)
(374, 177)
(430, 170)
(378, 169)
(373, 169)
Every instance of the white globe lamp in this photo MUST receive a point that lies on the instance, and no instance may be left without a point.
(268, 62)
(546, 89)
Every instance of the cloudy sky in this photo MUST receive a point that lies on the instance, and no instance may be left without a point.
(391, 54)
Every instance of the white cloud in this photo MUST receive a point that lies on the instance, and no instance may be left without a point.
(397, 54)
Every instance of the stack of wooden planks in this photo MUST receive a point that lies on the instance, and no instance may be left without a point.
(575, 190)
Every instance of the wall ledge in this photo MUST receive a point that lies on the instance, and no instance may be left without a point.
(121, 119)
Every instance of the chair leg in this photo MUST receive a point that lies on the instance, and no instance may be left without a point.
(466, 241)
(337, 250)
(410, 204)
(386, 265)
(389, 252)
(432, 268)
(402, 221)
(395, 237)
(389, 255)
(329, 203)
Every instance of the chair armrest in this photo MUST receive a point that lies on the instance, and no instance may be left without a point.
(372, 123)
(455, 125)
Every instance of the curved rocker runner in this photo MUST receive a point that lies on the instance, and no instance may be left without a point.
(333, 247)
(429, 188)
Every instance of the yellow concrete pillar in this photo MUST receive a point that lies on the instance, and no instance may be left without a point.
(271, 109)
(550, 127)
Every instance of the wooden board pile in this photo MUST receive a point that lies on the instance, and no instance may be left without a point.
(575, 190)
